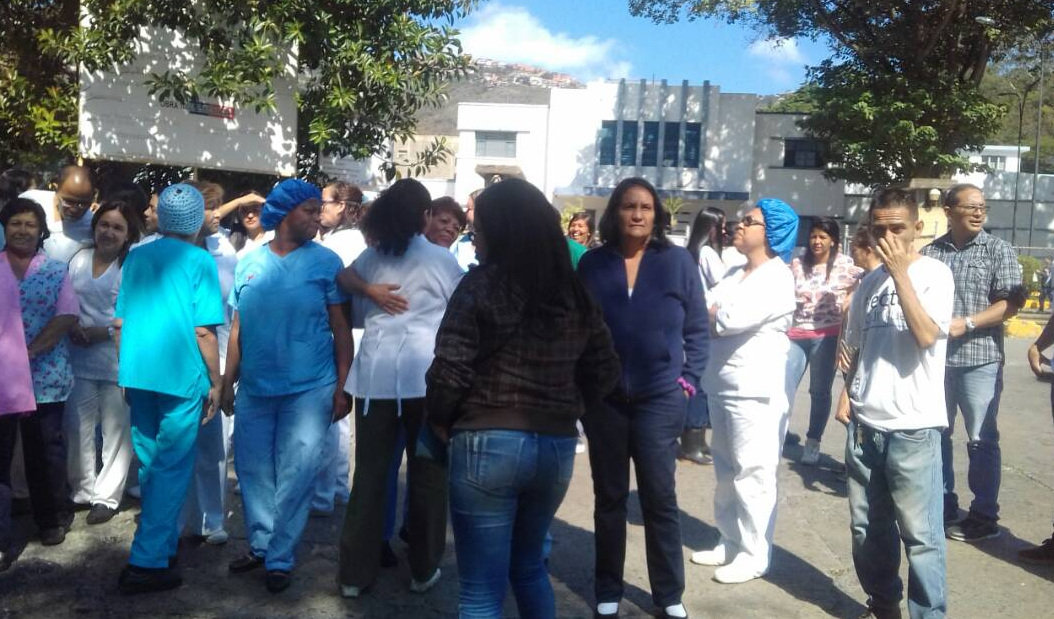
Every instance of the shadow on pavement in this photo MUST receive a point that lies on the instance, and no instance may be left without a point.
(571, 562)
(826, 477)
(1005, 549)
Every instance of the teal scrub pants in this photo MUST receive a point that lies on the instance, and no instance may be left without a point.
(164, 435)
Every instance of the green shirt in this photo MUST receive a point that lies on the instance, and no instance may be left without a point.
(577, 250)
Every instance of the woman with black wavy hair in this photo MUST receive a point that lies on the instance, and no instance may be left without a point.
(387, 380)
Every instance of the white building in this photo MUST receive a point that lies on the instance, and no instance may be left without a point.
(699, 146)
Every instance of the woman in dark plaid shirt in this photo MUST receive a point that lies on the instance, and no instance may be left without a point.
(521, 349)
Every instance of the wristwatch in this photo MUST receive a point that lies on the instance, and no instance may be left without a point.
(109, 331)
(970, 326)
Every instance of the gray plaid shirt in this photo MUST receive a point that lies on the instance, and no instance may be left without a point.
(986, 270)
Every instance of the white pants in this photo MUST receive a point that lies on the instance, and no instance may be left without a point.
(331, 483)
(204, 510)
(97, 403)
(746, 443)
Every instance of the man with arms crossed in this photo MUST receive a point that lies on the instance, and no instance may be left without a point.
(898, 327)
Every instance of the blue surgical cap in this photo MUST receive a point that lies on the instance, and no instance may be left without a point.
(781, 226)
(285, 197)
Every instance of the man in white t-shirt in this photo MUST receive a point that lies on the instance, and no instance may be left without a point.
(898, 327)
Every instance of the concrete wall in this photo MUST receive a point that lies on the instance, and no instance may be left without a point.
(529, 122)
(806, 190)
(730, 143)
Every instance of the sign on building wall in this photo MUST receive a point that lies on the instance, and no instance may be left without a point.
(120, 120)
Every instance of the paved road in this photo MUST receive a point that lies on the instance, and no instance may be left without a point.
(811, 576)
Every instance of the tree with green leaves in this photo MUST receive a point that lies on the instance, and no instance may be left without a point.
(365, 67)
(1016, 82)
(900, 96)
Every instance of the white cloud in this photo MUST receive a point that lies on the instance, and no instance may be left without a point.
(783, 51)
(781, 59)
(512, 34)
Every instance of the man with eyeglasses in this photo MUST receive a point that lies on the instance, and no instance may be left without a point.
(988, 291)
(69, 212)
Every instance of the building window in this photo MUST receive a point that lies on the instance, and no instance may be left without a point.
(496, 144)
(629, 143)
(996, 163)
(649, 150)
(670, 142)
(693, 135)
(608, 129)
(804, 154)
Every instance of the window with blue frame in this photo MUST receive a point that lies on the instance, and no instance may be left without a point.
(670, 139)
(629, 143)
(649, 149)
(608, 129)
(693, 135)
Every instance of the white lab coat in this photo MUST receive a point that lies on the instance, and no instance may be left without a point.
(745, 382)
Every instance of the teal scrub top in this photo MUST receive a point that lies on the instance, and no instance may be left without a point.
(168, 288)
(282, 304)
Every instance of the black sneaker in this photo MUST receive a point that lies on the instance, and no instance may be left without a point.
(951, 516)
(99, 514)
(52, 536)
(245, 563)
(1040, 555)
(277, 581)
(875, 612)
(972, 530)
(134, 580)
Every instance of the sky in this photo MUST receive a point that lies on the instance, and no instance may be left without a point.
(599, 39)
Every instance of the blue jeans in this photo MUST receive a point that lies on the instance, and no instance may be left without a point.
(819, 355)
(505, 488)
(975, 391)
(164, 435)
(277, 452)
(894, 486)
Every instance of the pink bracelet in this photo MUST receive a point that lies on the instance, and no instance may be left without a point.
(687, 386)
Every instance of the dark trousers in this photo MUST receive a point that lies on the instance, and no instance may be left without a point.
(645, 431)
(44, 454)
(376, 434)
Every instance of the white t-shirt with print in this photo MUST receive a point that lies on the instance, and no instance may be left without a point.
(897, 385)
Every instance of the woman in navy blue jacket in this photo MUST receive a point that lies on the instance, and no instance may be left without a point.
(652, 299)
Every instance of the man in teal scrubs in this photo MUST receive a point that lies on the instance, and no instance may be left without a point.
(167, 310)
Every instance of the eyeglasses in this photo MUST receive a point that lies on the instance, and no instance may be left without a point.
(74, 203)
(976, 208)
(749, 221)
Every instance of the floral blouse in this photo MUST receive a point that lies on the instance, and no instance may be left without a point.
(820, 299)
(47, 292)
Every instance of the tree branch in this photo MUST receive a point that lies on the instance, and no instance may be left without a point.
(938, 32)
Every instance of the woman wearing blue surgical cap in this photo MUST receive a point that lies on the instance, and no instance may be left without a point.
(290, 351)
(745, 381)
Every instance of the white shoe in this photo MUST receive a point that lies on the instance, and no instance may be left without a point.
(738, 571)
(218, 538)
(420, 587)
(811, 454)
(348, 591)
(717, 556)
